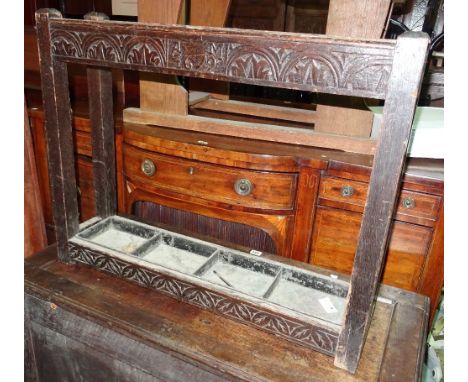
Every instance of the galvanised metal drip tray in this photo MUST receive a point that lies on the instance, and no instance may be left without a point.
(290, 302)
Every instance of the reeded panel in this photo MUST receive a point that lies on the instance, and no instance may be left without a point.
(232, 232)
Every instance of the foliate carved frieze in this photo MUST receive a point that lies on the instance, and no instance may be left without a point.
(332, 68)
(312, 336)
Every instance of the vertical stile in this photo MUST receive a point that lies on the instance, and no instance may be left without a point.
(402, 93)
(60, 152)
(102, 131)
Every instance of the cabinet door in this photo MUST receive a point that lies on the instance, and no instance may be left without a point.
(335, 239)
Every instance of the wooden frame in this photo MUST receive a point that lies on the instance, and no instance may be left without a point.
(390, 70)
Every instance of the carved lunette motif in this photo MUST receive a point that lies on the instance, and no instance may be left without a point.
(271, 59)
(316, 337)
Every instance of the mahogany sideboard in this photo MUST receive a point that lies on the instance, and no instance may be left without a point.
(305, 203)
(82, 324)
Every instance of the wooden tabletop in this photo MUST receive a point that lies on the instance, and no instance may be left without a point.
(182, 340)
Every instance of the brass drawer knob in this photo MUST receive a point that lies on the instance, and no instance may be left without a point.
(148, 167)
(191, 171)
(347, 191)
(243, 187)
(408, 203)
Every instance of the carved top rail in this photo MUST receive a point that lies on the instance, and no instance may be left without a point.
(286, 60)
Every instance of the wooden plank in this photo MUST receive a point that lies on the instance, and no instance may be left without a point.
(265, 132)
(31, 55)
(161, 11)
(275, 59)
(358, 19)
(30, 362)
(409, 322)
(73, 347)
(344, 121)
(161, 92)
(246, 153)
(432, 280)
(57, 112)
(35, 237)
(308, 183)
(210, 13)
(40, 152)
(259, 14)
(403, 89)
(102, 133)
(260, 110)
(102, 129)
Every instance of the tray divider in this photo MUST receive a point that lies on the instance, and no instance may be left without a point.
(273, 284)
(89, 232)
(207, 264)
(148, 245)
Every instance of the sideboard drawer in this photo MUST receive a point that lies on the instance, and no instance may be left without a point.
(254, 189)
(335, 240)
(413, 207)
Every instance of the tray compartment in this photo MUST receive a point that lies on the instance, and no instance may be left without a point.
(250, 276)
(308, 294)
(122, 235)
(176, 253)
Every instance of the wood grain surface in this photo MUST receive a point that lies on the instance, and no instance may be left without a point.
(103, 140)
(35, 237)
(160, 92)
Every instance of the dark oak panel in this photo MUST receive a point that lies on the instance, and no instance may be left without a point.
(388, 165)
(57, 110)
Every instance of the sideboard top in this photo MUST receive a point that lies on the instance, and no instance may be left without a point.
(281, 156)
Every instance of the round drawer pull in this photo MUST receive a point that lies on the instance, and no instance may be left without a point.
(243, 187)
(148, 167)
(347, 191)
(191, 170)
(408, 203)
